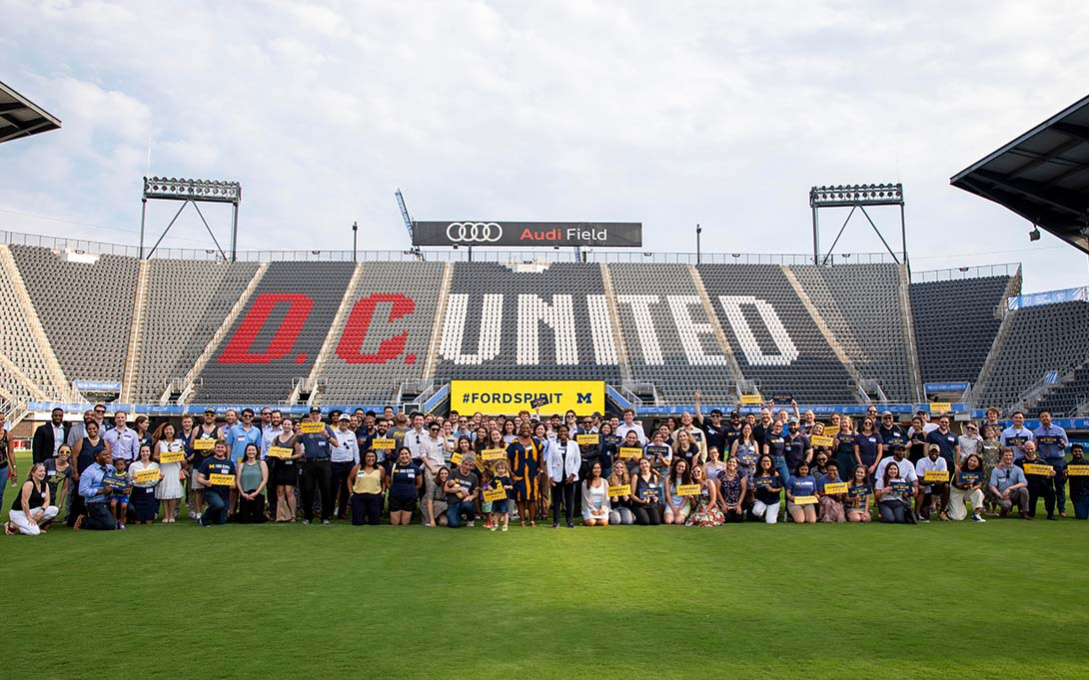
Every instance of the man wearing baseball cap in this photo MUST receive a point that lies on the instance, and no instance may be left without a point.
(317, 469)
(716, 432)
(891, 432)
(931, 493)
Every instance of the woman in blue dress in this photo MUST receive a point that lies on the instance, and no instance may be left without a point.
(525, 465)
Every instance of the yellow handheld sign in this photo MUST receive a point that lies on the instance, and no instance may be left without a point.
(805, 500)
(821, 440)
(1077, 470)
(172, 456)
(587, 439)
(688, 489)
(493, 495)
(936, 476)
(488, 455)
(206, 444)
(383, 444)
(1038, 469)
(456, 458)
(631, 452)
(221, 480)
(835, 487)
(751, 399)
(624, 490)
(280, 452)
(940, 407)
(310, 427)
(145, 476)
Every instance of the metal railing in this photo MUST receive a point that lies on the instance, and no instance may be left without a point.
(959, 273)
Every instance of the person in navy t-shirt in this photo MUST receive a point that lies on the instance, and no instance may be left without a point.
(216, 495)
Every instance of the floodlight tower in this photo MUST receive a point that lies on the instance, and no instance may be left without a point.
(857, 197)
(415, 250)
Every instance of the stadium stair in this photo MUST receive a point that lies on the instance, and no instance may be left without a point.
(59, 387)
(829, 337)
(440, 319)
(132, 357)
(614, 321)
(313, 384)
(191, 388)
(736, 377)
(1013, 287)
(915, 375)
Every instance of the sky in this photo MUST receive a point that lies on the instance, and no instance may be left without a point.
(668, 113)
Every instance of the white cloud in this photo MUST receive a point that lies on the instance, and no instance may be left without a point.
(669, 113)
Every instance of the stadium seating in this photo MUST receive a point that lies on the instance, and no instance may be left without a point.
(502, 323)
(861, 306)
(776, 340)
(186, 303)
(85, 308)
(667, 332)
(1065, 399)
(17, 343)
(279, 334)
(955, 325)
(384, 339)
(1041, 339)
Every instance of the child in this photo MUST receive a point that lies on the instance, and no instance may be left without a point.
(500, 509)
(486, 506)
(119, 503)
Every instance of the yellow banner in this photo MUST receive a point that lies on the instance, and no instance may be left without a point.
(587, 439)
(1038, 469)
(940, 407)
(488, 455)
(821, 440)
(221, 480)
(805, 500)
(172, 456)
(631, 452)
(495, 495)
(936, 476)
(508, 397)
(1077, 470)
(145, 476)
(204, 444)
(688, 490)
(751, 399)
(310, 427)
(280, 452)
(625, 489)
(383, 444)
(835, 487)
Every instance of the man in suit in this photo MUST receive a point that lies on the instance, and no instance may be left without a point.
(49, 437)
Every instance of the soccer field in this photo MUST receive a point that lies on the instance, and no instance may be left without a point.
(952, 600)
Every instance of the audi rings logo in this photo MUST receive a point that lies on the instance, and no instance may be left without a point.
(474, 232)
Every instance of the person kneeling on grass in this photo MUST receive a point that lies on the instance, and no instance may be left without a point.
(767, 484)
(859, 491)
(31, 511)
(96, 494)
(217, 490)
(595, 498)
(706, 513)
(894, 492)
(1009, 487)
(934, 495)
(462, 489)
(967, 487)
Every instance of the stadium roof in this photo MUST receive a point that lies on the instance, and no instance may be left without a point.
(1043, 175)
(20, 117)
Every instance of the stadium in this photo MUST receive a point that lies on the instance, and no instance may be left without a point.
(545, 322)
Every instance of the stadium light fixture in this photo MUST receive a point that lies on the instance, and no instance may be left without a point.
(1034, 235)
(857, 197)
(191, 191)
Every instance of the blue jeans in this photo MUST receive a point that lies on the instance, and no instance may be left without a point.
(454, 510)
(1081, 507)
(99, 518)
(3, 485)
(216, 512)
(780, 463)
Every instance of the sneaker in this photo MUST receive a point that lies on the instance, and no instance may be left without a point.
(922, 519)
(197, 517)
(1053, 518)
(120, 525)
(193, 515)
(306, 522)
(325, 521)
(472, 524)
(493, 528)
(556, 525)
(977, 518)
(570, 525)
(504, 527)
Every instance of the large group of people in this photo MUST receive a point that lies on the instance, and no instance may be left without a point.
(777, 464)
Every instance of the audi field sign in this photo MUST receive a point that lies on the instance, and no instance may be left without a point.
(528, 234)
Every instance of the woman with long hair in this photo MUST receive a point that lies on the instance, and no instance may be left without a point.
(967, 489)
(31, 510)
(509, 433)
(677, 506)
(745, 450)
(621, 504)
(801, 485)
(647, 495)
(286, 475)
(733, 489)
(857, 502)
(845, 446)
(706, 512)
(251, 479)
(869, 446)
(404, 483)
(145, 506)
(365, 484)
(524, 454)
(831, 504)
(169, 491)
(595, 498)
(767, 487)
(894, 494)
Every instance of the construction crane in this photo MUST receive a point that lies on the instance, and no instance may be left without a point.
(415, 250)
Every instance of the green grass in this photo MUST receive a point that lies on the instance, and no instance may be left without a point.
(952, 600)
